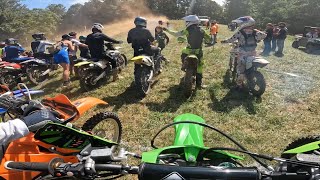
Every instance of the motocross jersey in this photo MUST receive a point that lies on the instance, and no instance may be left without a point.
(95, 42)
(140, 37)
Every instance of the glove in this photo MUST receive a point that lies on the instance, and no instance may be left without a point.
(38, 119)
(12, 104)
(33, 105)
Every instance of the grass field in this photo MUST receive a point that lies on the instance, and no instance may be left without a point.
(290, 108)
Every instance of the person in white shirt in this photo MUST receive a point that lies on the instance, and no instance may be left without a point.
(73, 54)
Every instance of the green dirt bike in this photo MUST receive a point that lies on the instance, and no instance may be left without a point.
(186, 159)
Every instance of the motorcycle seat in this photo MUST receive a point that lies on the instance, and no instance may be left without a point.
(20, 59)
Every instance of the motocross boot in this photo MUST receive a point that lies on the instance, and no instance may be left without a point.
(199, 84)
(115, 74)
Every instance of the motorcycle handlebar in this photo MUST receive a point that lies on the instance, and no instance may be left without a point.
(27, 166)
(148, 171)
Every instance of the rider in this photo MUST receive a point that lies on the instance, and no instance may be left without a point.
(13, 50)
(141, 39)
(96, 44)
(39, 46)
(247, 38)
(18, 128)
(195, 36)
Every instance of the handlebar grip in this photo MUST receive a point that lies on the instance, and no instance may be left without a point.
(31, 166)
(159, 172)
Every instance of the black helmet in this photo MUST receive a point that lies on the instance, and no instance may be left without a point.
(11, 41)
(38, 36)
(66, 36)
(140, 21)
(72, 33)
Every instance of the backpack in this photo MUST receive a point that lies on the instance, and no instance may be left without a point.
(250, 41)
(55, 47)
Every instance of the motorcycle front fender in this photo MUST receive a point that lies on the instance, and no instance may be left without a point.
(145, 60)
(305, 148)
(260, 62)
(84, 104)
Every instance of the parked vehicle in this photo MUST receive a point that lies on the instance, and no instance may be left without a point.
(311, 44)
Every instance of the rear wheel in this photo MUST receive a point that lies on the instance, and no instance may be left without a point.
(295, 44)
(122, 61)
(87, 81)
(309, 48)
(34, 74)
(143, 77)
(106, 125)
(256, 83)
(190, 76)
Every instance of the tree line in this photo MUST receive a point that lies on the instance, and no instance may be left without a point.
(17, 21)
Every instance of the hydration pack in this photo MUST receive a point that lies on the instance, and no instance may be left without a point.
(250, 41)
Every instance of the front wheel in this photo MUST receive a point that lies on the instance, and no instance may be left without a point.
(88, 80)
(256, 83)
(11, 80)
(190, 76)
(34, 74)
(105, 125)
(143, 78)
(295, 44)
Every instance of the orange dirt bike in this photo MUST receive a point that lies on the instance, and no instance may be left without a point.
(27, 149)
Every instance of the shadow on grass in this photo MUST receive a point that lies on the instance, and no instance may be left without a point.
(314, 52)
(129, 96)
(232, 100)
(172, 103)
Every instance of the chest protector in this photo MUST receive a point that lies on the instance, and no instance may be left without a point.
(250, 41)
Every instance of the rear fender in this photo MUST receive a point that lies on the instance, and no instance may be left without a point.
(305, 148)
(191, 60)
(87, 103)
(145, 60)
(83, 63)
(35, 61)
(260, 62)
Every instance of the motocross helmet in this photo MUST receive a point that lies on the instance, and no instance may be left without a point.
(140, 21)
(11, 41)
(66, 37)
(38, 36)
(244, 22)
(97, 27)
(82, 38)
(191, 20)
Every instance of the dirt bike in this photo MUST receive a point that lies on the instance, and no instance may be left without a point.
(146, 68)
(38, 70)
(95, 72)
(254, 80)
(29, 149)
(187, 159)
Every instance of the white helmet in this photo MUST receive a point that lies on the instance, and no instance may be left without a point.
(244, 22)
(97, 26)
(191, 20)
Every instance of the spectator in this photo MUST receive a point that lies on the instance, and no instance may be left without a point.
(214, 31)
(73, 53)
(267, 40)
(281, 37)
(161, 37)
(274, 37)
(62, 57)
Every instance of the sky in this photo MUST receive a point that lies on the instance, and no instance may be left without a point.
(44, 3)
